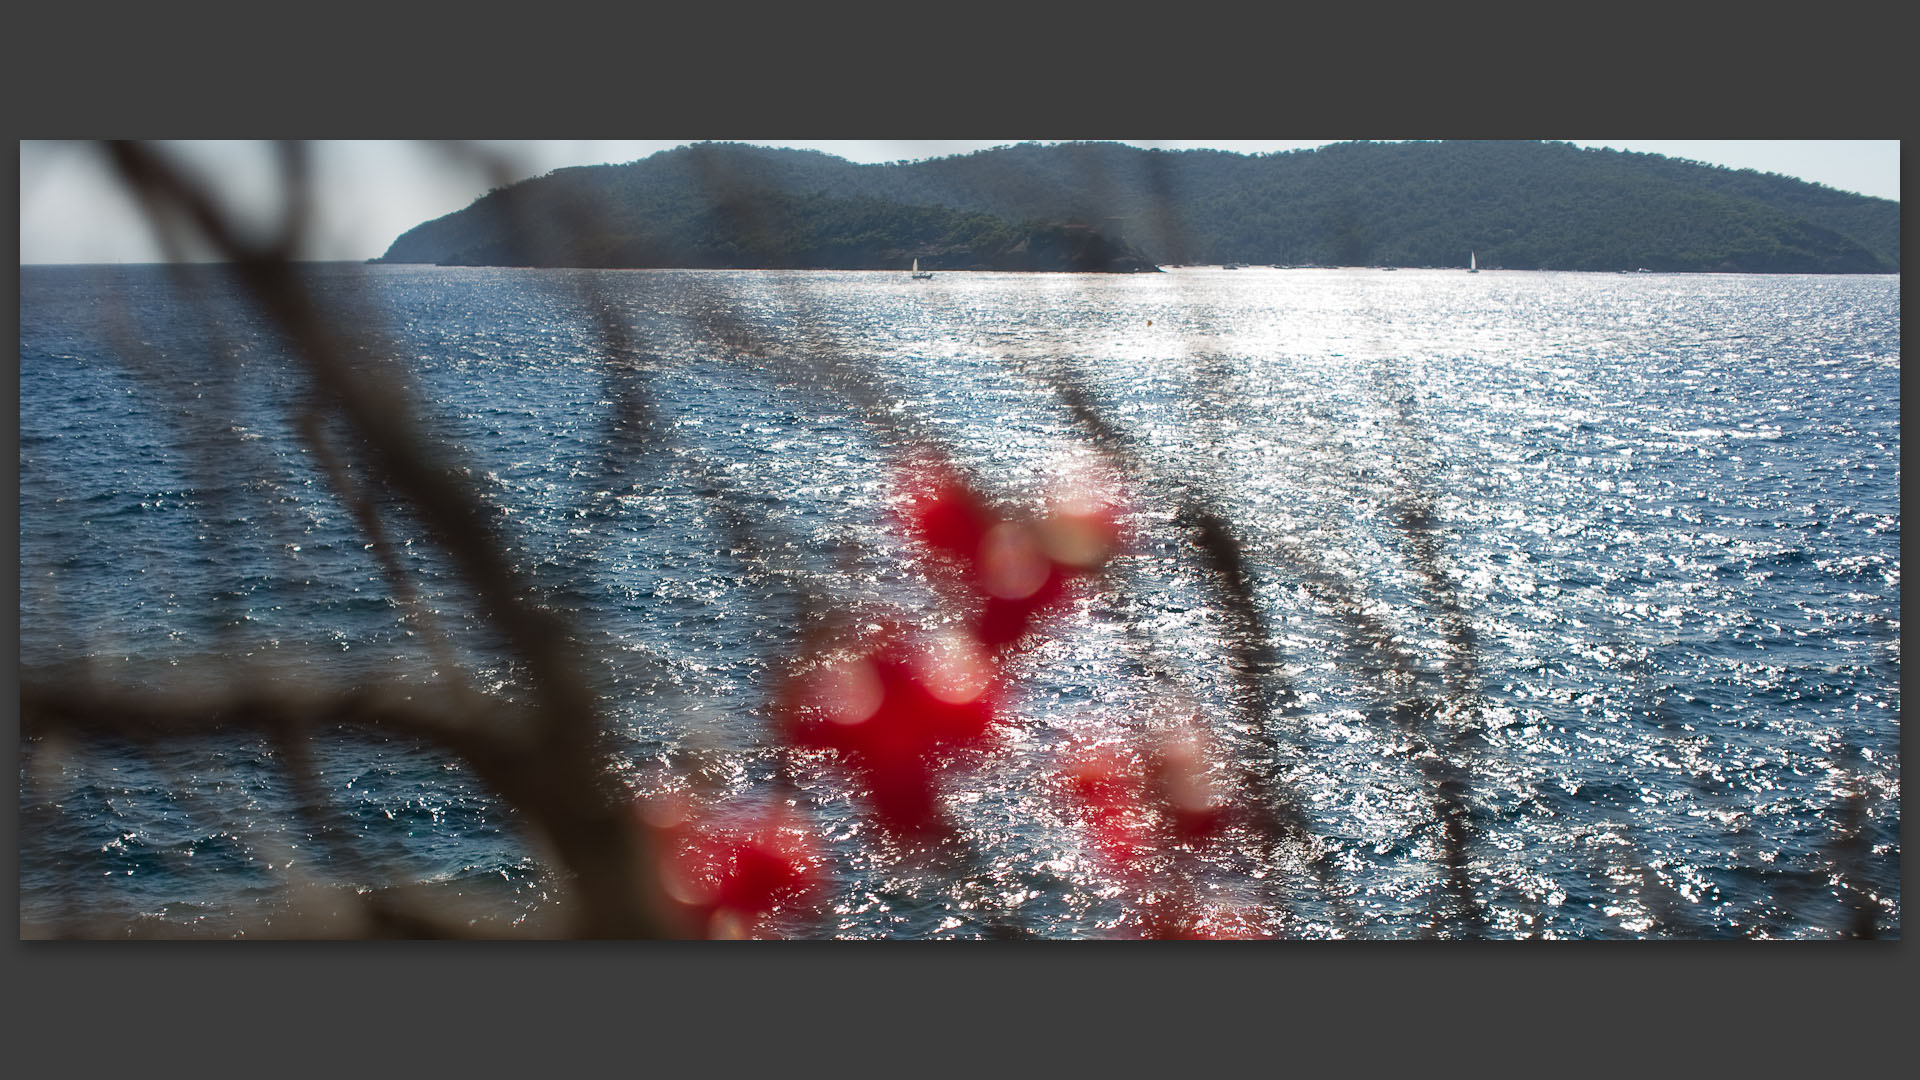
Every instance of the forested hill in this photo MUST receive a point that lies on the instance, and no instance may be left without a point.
(1106, 206)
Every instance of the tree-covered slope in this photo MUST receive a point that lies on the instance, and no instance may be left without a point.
(1520, 205)
(735, 206)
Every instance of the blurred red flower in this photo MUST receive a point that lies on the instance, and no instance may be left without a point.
(893, 711)
(1151, 798)
(1021, 568)
(726, 869)
(1109, 786)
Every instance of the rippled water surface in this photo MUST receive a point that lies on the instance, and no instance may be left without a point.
(1638, 535)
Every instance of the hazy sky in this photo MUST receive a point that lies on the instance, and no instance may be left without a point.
(369, 192)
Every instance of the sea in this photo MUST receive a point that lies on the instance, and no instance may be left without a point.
(1560, 605)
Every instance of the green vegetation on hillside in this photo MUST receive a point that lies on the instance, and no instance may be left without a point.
(1519, 205)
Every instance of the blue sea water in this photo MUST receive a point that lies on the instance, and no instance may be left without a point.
(1654, 562)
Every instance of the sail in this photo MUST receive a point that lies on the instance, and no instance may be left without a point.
(916, 266)
(1473, 261)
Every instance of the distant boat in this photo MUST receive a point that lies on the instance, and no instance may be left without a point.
(1229, 266)
(919, 274)
(1473, 263)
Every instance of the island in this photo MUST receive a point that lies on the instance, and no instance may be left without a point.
(1112, 208)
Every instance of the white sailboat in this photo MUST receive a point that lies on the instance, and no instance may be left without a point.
(1473, 263)
(919, 274)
